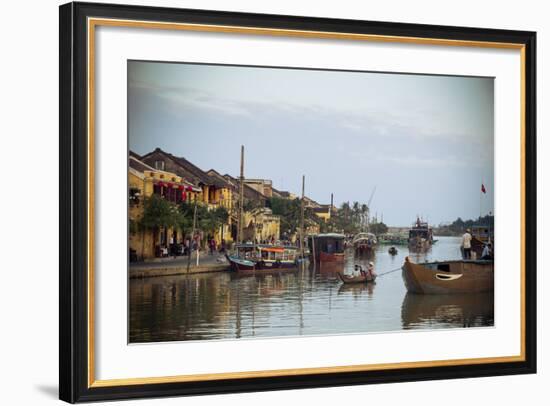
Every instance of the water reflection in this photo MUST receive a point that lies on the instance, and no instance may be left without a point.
(458, 310)
(311, 300)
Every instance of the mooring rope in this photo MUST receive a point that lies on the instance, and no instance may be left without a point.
(387, 272)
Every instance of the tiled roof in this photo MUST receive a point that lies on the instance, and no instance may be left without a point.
(187, 170)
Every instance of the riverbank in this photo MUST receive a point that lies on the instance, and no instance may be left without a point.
(178, 266)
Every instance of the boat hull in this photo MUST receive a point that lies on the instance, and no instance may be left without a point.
(334, 257)
(355, 279)
(364, 248)
(449, 277)
(249, 266)
(417, 244)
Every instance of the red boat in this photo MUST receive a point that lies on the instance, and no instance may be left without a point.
(326, 247)
(334, 257)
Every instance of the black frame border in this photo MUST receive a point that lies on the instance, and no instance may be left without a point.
(73, 203)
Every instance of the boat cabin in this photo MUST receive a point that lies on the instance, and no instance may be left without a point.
(420, 229)
(482, 233)
(266, 252)
(330, 243)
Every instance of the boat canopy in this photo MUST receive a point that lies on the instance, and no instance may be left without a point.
(265, 247)
(329, 235)
(365, 237)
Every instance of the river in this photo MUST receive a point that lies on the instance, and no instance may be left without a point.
(307, 302)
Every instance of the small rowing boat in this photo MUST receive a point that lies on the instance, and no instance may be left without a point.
(356, 279)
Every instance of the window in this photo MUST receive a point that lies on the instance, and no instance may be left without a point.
(159, 165)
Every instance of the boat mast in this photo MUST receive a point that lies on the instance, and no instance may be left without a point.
(368, 208)
(241, 199)
(302, 217)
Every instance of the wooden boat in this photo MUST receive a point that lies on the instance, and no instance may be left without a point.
(263, 258)
(326, 247)
(364, 243)
(334, 257)
(420, 236)
(482, 235)
(393, 239)
(448, 277)
(356, 279)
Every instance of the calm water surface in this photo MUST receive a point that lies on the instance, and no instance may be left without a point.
(307, 302)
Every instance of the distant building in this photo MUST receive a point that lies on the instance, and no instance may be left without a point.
(324, 212)
(263, 186)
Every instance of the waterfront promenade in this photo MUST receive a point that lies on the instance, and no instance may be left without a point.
(178, 266)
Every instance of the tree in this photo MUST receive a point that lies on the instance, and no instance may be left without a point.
(458, 226)
(158, 213)
(290, 212)
(378, 228)
(208, 221)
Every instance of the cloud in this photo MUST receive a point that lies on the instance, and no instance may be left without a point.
(414, 122)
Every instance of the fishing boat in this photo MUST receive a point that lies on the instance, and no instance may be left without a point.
(263, 258)
(420, 236)
(326, 247)
(364, 243)
(392, 239)
(363, 278)
(458, 276)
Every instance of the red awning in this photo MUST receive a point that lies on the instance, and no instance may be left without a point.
(273, 249)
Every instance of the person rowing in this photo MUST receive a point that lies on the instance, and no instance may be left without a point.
(371, 275)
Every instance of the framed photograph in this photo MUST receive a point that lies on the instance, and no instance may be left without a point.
(256, 202)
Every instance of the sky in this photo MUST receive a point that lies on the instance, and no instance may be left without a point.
(424, 143)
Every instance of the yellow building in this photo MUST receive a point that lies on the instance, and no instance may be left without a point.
(324, 212)
(261, 225)
(143, 182)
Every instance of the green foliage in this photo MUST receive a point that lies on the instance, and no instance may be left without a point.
(158, 212)
(249, 205)
(378, 228)
(208, 221)
(350, 218)
(458, 226)
(290, 212)
(133, 226)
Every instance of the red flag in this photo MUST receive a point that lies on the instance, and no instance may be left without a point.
(483, 188)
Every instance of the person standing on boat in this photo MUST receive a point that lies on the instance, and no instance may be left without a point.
(467, 245)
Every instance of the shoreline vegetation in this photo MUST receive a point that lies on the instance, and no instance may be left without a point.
(459, 226)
